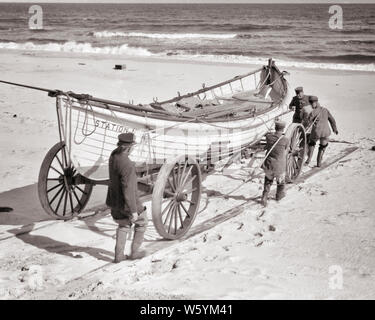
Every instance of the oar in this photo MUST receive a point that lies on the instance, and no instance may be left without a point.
(54, 93)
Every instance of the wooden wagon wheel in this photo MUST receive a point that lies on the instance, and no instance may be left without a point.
(58, 194)
(296, 151)
(176, 197)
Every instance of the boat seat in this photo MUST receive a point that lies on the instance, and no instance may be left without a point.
(172, 109)
(261, 95)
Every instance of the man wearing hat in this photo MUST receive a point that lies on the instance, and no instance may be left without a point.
(123, 199)
(297, 103)
(274, 165)
(319, 119)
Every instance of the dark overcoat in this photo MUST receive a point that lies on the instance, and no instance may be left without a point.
(275, 163)
(298, 103)
(122, 195)
(320, 128)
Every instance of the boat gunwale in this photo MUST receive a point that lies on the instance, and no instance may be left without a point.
(198, 119)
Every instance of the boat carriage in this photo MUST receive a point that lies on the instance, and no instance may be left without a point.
(177, 140)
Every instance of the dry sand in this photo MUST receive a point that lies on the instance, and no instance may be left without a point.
(324, 224)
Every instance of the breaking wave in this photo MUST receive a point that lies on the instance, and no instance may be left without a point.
(112, 34)
(72, 46)
(125, 49)
(239, 59)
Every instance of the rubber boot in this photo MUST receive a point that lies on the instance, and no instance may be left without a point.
(266, 190)
(310, 152)
(280, 191)
(121, 235)
(319, 159)
(136, 244)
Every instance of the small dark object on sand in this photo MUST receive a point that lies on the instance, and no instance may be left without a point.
(6, 209)
(120, 67)
(373, 148)
(14, 116)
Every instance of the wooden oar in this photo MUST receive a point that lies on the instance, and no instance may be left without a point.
(86, 97)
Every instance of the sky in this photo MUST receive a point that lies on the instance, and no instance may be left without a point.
(196, 1)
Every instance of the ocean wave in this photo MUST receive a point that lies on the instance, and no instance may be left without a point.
(333, 64)
(346, 58)
(352, 41)
(112, 34)
(72, 46)
(240, 59)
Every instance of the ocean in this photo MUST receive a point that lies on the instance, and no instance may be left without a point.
(293, 34)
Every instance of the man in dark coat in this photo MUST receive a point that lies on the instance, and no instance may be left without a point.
(319, 117)
(274, 165)
(123, 199)
(298, 102)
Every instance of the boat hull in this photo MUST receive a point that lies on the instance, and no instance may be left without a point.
(91, 134)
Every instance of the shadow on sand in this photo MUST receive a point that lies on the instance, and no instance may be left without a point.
(59, 247)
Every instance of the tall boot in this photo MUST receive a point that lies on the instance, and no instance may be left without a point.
(266, 190)
(121, 235)
(280, 191)
(136, 244)
(319, 159)
(310, 152)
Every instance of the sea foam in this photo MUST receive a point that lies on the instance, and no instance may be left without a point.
(126, 50)
(72, 46)
(112, 34)
(239, 59)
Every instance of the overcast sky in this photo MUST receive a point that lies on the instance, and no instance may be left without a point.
(197, 1)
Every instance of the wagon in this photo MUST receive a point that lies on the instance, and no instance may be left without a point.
(177, 141)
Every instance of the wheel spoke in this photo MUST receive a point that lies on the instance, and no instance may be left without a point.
(183, 207)
(180, 215)
(55, 196)
(79, 202)
(171, 218)
(170, 193)
(175, 219)
(183, 172)
(71, 202)
(191, 202)
(188, 182)
(53, 179)
(190, 190)
(171, 185)
(60, 173)
(293, 166)
(185, 178)
(83, 191)
(296, 163)
(169, 213)
(166, 207)
(65, 201)
(54, 187)
(58, 204)
(58, 159)
(297, 137)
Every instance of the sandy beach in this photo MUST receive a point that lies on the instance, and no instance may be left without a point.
(284, 251)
